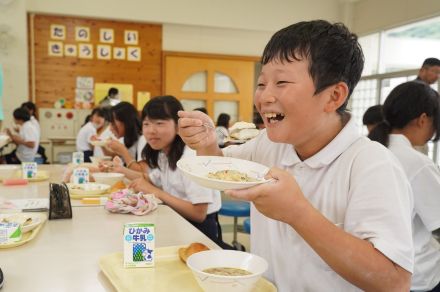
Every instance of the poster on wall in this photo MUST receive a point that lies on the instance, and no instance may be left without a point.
(57, 32)
(70, 50)
(84, 82)
(85, 51)
(131, 37)
(82, 34)
(134, 54)
(104, 52)
(55, 49)
(106, 35)
(84, 92)
(118, 53)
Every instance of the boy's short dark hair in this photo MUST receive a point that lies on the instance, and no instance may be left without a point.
(373, 115)
(333, 52)
(113, 91)
(21, 114)
(429, 62)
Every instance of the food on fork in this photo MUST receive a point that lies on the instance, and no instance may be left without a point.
(243, 131)
(193, 248)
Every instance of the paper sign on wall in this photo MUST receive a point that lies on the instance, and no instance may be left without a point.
(119, 53)
(106, 35)
(55, 49)
(70, 50)
(134, 54)
(57, 32)
(131, 37)
(85, 51)
(104, 52)
(82, 34)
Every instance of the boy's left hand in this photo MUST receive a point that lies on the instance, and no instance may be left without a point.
(281, 199)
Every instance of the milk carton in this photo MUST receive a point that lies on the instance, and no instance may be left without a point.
(29, 169)
(10, 232)
(80, 175)
(138, 245)
(77, 158)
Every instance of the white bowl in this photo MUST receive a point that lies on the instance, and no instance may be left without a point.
(231, 259)
(197, 169)
(98, 159)
(88, 189)
(8, 171)
(109, 178)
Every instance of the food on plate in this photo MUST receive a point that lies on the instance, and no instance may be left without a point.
(243, 131)
(225, 271)
(193, 248)
(231, 175)
(23, 220)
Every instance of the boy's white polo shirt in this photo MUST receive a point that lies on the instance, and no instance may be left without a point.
(424, 178)
(355, 183)
(28, 133)
(177, 184)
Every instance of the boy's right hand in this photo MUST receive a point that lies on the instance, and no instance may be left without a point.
(197, 130)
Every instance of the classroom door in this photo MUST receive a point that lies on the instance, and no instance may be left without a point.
(220, 85)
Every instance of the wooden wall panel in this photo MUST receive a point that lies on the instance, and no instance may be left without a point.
(55, 77)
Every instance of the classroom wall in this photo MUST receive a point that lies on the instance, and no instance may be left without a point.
(374, 15)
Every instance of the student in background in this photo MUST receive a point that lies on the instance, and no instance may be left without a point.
(430, 71)
(27, 139)
(102, 133)
(164, 148)
(221, 129)
(32, 110)
(411, 117)
(89, 130)
(372, 116)
(126, 127)
(111, 99)
(337, 215)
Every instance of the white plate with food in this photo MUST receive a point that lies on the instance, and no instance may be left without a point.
(223, 173)
(100, 143)
(87, 190)
(27, 221)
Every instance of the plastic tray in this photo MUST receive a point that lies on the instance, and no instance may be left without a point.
(169, 274)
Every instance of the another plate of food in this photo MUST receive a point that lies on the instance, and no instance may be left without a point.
(78, 191)
(100, 143)
(241, 132)
(28, 222)
(223, 173)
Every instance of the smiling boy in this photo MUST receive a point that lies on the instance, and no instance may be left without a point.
(338, 216)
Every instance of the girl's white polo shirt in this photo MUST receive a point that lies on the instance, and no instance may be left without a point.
(355, 183)
(424, 178)
(177, 184)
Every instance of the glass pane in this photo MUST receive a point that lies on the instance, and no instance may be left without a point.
(191, 104)
(406, 47)
(227, 107)
(370, 47)
(223, 84)
(388, 84)
(195, 83)
(364, 96)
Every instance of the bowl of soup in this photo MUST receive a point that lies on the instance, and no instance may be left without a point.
(226, 270)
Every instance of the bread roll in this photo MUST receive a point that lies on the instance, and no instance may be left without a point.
(195, 247)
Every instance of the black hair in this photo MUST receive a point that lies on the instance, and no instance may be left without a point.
(430, 62)
(223, 120)
(406, 102)
(103, 112)
(127, 114)
(333, 52)
(21, 114)
(30, 106)
(201, 109)
(163, 108)
(112, 91)
(86, 120)
(373, 115)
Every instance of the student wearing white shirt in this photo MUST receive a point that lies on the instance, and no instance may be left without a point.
(27, 139)
(32, 109)
(411, 118)
(164, 148)
(337, 216)
(126, 127)
(87, 132)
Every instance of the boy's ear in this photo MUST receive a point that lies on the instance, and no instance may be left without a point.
(338, 95)
(421, 120)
